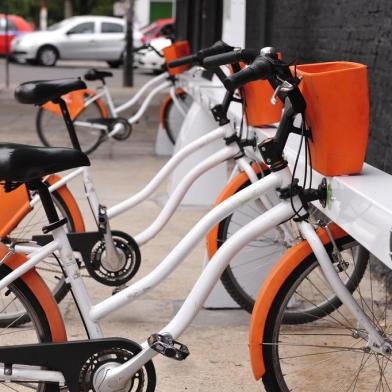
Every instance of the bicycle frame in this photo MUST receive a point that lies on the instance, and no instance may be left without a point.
(173, 202)
(91, 314)
(161, 83)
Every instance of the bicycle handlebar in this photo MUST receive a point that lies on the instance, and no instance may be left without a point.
(240, 55)
(192, 59)
(148, 46)
(261, 68)
(217, 48)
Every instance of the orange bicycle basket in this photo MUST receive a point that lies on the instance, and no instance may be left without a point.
(337, 99)
(174, 52)
(257, 96)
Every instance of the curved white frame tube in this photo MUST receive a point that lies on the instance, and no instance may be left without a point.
(137, 96)
(179, 252)
(205, 284)
(146, 102)
(165, 171)
(180, 191)
(176, 102)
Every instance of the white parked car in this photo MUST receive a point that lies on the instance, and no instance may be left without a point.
(76, 38)
(148, 59)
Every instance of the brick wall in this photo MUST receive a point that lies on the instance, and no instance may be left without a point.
(327, 30)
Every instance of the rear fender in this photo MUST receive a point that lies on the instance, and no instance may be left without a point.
(70, 202)
(75, 104)
(14, 206)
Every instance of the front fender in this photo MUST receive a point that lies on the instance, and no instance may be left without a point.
(229, 190)
(165, 103)
(276, 278)
(41, 293)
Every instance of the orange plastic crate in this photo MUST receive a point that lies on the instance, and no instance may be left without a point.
(174, 52)
(337, 98)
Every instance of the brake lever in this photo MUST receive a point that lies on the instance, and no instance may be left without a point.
(284, 87)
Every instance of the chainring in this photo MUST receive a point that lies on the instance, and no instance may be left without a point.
(129, 251)
(125, 133)
(144, 380)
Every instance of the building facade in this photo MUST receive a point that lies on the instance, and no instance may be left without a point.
(308, 31)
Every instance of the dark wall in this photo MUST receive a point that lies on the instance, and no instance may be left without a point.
(256, 26)
(320, 30)
(199, 21)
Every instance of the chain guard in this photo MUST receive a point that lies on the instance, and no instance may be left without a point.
(128, 248)
(70, 358)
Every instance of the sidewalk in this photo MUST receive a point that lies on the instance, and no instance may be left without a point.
(218, 340)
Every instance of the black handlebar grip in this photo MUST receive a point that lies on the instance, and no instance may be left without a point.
(192, 59)
(245, 55)
(261, 68)
(217, 48)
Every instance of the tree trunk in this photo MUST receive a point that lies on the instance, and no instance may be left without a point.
(68, 8)
(43, 15)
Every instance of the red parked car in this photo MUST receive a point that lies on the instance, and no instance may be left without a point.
(159, 28)
(16, 26)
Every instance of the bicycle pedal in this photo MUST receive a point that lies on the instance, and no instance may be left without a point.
(167, 346)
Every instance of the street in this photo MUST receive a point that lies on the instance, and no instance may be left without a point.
(20, 73)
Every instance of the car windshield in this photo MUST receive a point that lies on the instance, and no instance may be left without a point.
(58, 25)
(11, 26)
(149, 28)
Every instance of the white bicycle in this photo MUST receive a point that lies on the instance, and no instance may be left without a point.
(118, 364)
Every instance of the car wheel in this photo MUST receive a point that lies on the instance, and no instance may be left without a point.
(47, 56)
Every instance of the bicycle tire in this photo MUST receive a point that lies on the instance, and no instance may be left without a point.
(36, 313)
(326, 344)
(171, 117)
(45, 132)
(244, 299)
(61, 289)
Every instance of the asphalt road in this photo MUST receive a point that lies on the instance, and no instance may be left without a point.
(23, 72)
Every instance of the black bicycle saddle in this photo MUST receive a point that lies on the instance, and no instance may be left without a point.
(95, 74)
(39, 92)
(23, 163)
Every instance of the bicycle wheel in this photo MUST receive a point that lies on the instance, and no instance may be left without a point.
(36, 331)
(329, 353)
(49, 268)
(171, 116)
(52, 130)
(244, 275)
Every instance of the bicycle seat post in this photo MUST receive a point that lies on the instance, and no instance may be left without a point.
(68, 123)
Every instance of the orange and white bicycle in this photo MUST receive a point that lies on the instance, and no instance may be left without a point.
(96, 118)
